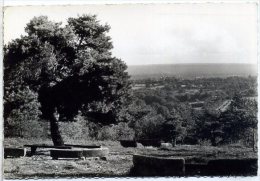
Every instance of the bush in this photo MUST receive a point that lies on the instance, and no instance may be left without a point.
(149, 127)
(116, 132)
(22, 115)
(75, 130)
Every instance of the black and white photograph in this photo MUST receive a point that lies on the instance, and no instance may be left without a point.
(137, 90)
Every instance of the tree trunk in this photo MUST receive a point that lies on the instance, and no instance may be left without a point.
(174, 142)
(55, 132)
(254, 140)
(213, 141)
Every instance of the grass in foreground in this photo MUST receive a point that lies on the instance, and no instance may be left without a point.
(118, 163)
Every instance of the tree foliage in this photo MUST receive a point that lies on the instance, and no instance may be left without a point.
(71, 68)
(229, 126)
(241, 117)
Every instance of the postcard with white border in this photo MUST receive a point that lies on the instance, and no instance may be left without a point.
(144, 89)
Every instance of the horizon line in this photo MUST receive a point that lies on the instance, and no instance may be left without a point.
(189, 63)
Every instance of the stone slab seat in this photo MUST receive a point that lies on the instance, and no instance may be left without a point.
(128, 143)
(232, 167)
(66, 153)
(145, 165)
(165, 145)
(84, 146)
(35, 146)
(14, 152)
(96, 152)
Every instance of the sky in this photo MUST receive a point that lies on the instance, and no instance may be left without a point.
(161, 33)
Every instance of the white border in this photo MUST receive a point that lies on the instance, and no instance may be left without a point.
(80, 2)
(5, 3)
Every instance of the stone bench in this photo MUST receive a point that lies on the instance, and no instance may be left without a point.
(157, 166)
(232, 167)
(165, 145)
(195, 169)
(35, 146)
(79, 153)
(66, 153)
(14, 152)
(128, 143)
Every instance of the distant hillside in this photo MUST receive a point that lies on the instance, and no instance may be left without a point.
(192, 70)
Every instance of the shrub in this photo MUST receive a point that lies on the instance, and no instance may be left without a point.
(22, 114)
(116, 132)
(75, 130)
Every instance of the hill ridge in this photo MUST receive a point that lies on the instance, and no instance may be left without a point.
(193, 70)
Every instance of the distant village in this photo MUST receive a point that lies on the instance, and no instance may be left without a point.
(199, 93)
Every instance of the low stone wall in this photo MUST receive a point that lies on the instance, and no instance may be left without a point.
(167, 166)
(14, 152)
(157, 166)
(195, 169)
(230, 167)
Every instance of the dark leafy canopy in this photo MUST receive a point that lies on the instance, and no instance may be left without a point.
(229, 126)
(71, 67)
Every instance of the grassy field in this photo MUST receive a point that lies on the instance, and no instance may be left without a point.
(118, 163)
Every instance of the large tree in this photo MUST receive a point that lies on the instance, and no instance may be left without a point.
(70, 67)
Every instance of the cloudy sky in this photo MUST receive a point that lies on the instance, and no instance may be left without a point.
(162, 33)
